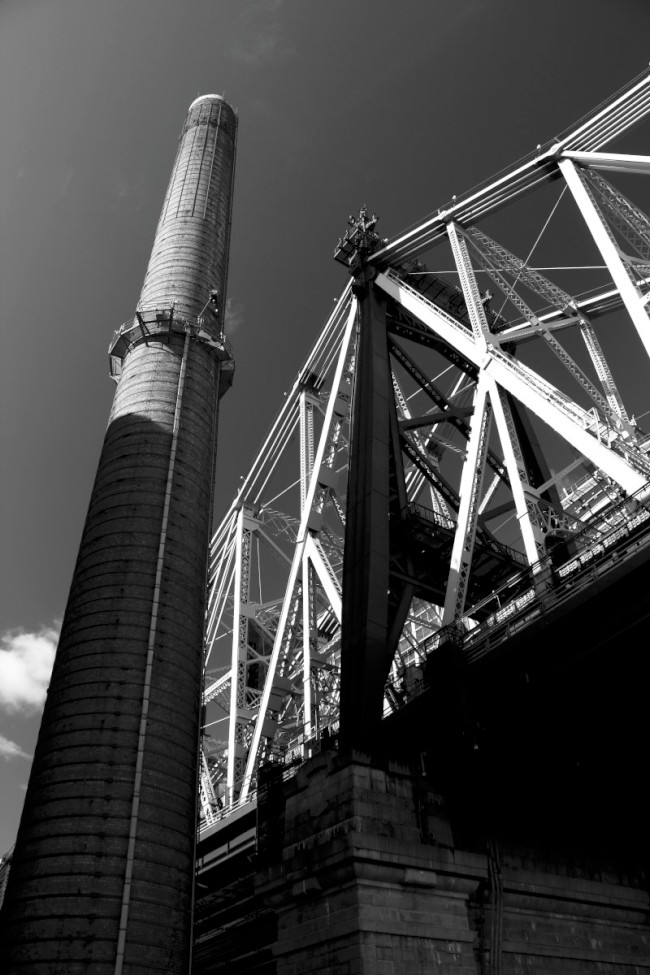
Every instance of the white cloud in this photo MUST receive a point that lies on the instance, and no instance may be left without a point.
(264, 38)
(67, 182)
(9, 749)
(124, 189)
(25, 666)
(233, 317)
(260, 47)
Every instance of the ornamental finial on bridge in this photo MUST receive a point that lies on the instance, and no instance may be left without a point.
(363, 221)
(357, 243)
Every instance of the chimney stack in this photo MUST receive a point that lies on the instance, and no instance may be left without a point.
(102, 875)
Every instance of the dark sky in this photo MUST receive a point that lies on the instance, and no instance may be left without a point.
(341, 102)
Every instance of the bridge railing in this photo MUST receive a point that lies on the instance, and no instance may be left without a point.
(539, 589)
(286, 763)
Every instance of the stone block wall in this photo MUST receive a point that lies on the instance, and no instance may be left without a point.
(367, 880)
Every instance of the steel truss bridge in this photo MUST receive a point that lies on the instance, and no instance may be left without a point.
(457, 459)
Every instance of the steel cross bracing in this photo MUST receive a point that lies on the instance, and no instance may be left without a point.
(475, 497)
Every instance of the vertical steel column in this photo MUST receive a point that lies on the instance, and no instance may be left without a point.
(493, 402)
(604, 240)
(471, 487)
(365, 655)
(524, 495)
(306, 473)
(103, 871)
(239, 657)
(308, 643)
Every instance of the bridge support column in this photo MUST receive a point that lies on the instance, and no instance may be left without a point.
(374, 888)
(368, 871)
(364, 657)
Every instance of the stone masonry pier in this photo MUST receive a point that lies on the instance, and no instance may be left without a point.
(365, 870)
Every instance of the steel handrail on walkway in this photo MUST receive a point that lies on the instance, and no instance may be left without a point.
(545, 589)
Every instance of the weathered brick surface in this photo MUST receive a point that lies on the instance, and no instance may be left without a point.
(114, 774)
(369, 880)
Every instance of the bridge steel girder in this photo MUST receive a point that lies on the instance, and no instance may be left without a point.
(536, 393)
(305, 544)
(365, 656)
(470, 496)
(604, 240)
(397, 552)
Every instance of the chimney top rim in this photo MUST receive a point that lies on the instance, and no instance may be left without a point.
(205, 98)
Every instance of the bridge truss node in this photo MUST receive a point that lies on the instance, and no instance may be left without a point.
(515, 463)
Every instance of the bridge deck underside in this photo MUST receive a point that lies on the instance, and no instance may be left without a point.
(554, 718)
